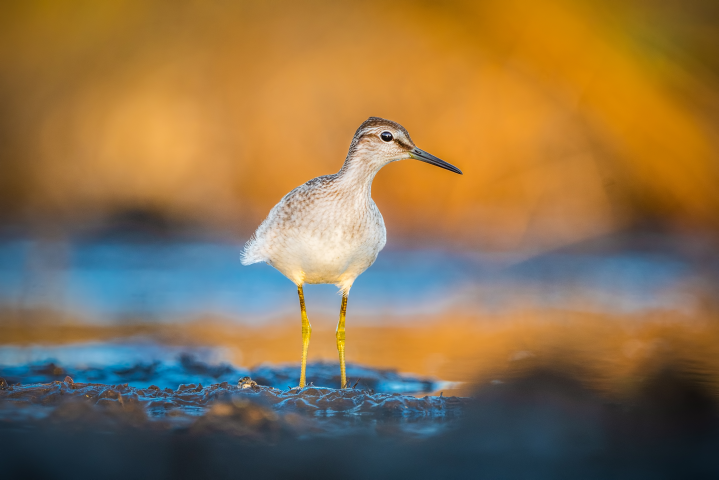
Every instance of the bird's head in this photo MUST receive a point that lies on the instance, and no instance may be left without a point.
(378, 142)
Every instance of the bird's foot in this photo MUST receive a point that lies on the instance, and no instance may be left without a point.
(347, 385)
(298, 388)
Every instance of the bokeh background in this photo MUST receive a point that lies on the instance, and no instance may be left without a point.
(141, 143)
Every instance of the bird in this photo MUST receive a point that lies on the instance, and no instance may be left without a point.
(329, 230)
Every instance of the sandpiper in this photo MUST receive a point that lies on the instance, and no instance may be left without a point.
(329, 230)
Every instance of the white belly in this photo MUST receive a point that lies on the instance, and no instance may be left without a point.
(335, 256)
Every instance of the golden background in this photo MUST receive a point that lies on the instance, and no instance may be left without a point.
(570, 119)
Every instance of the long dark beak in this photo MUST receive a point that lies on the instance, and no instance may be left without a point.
(422, 156)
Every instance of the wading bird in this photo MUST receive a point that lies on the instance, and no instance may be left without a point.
(329, 230)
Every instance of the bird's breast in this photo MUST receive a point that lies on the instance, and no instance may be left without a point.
(331, 247)
(322, 232)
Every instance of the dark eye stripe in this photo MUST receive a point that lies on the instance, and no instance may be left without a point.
(386, 136)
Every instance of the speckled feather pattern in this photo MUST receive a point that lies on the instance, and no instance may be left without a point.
(329, 230)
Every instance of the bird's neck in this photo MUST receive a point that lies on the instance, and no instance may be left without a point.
(357, 174)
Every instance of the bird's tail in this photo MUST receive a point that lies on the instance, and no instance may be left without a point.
(250, 253)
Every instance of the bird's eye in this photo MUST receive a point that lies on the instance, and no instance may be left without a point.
(386, 136)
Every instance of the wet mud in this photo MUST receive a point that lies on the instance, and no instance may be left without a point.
(260, 404)
(544, 425)
(244, 408)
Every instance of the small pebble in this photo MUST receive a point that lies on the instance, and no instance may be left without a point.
(247, 382)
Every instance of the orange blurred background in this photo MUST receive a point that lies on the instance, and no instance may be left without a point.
(570, 119)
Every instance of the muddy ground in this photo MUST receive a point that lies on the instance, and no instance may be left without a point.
(546, 424)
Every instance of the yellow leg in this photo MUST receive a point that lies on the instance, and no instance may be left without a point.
(341, 340)
(306, 332)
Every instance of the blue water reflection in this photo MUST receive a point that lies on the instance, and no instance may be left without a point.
(108, 281)
(142, 363)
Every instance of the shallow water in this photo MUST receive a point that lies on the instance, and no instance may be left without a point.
(145, 363)
(109, 281)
